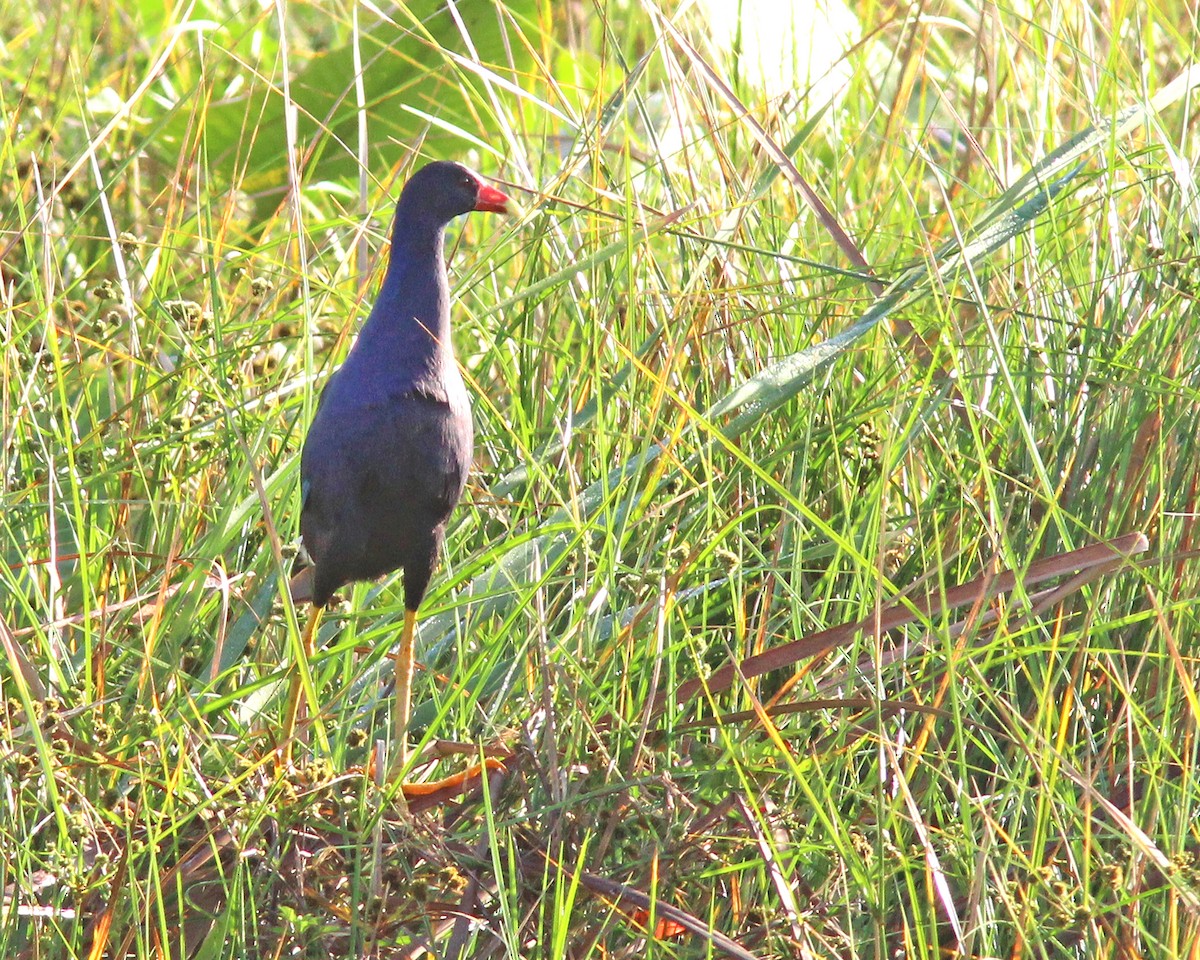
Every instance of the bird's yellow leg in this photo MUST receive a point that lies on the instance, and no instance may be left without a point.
(404, 676)
(308, 642)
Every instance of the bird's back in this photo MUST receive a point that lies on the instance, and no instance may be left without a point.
(381, 472)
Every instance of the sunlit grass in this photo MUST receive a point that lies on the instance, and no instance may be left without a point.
(691, 451)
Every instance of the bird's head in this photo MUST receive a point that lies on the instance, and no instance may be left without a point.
(444, 189)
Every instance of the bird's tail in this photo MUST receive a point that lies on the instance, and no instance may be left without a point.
(301, 585)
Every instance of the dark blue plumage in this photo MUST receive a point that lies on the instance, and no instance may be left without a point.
(387, 454)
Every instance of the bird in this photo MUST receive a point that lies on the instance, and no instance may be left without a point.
(386, 456)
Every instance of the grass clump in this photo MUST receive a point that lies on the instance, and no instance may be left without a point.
(825, 583)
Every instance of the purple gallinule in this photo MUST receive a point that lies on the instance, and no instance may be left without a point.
(387, 454)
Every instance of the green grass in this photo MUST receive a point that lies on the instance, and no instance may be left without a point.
(713, 419)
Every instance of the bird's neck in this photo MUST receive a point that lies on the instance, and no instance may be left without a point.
(409, 326)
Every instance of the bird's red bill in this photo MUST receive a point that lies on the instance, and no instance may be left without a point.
(491, 200)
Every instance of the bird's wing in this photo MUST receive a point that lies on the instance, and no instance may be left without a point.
(405, 449)
(418, 451)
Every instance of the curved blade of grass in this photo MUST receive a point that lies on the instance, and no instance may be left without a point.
(756, 398)
(515, 567)
(514, 479)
